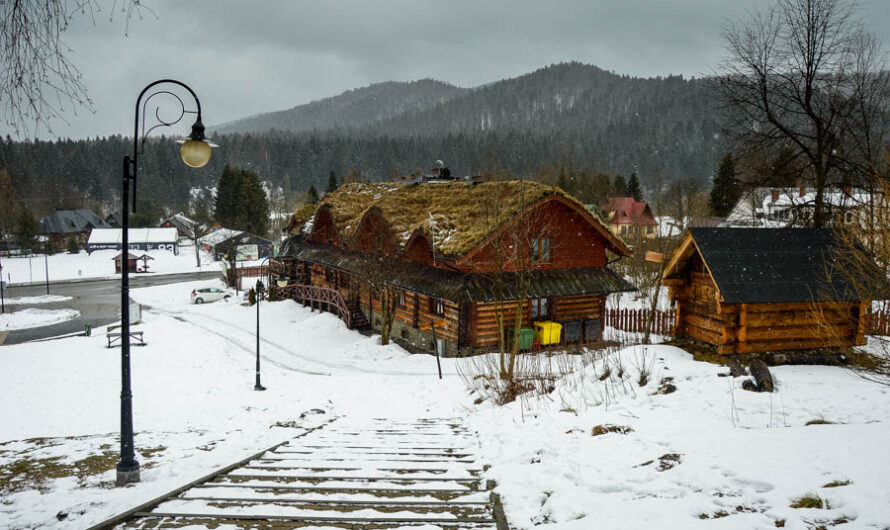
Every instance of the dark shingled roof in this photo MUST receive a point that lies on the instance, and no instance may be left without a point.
(458, 286)
(71, 222)
(764, 265)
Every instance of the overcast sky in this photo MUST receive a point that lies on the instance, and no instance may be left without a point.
(247, 57)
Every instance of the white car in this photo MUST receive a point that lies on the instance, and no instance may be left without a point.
(209, 294)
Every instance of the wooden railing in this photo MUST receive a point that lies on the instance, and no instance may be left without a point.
(320, 298)
(636, 320)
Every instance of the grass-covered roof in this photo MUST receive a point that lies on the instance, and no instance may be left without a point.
(456, 216)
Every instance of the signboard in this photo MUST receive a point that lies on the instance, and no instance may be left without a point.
(2, 285)
(654, 257)
(247, 252)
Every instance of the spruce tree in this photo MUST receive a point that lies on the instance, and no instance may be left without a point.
(225, 210)
(312, 195)
(633, 188)
(332, 183)
(726, 189)
(26, 230)
(619, 186)
(253, 205)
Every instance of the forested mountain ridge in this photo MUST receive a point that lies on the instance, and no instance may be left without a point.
(570, 115)
(351, 109)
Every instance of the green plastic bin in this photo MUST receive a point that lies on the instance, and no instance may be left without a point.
(526, 338)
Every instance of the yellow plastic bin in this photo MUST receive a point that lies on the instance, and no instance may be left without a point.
(547, 332)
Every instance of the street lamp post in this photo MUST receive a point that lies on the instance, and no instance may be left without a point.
(259, 295)
(195, 152)
(2, 290)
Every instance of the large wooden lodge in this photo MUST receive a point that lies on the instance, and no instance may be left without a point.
(458, 255)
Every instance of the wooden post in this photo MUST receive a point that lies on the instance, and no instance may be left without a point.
(743, 329)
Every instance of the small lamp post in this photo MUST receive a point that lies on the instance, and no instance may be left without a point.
(281, 281)
(195, 152)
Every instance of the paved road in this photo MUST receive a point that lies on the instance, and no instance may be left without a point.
(98, 301)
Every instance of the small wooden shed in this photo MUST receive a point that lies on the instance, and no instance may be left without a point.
(748, 290)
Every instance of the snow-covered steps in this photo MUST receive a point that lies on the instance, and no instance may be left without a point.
(372, 474)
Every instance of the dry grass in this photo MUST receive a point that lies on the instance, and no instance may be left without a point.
(811, 500)
(455, 215)
(838, 483)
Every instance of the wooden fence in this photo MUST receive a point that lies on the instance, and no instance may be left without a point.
(635, 320)
(879, 323)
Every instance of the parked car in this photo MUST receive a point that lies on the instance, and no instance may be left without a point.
(209, 294)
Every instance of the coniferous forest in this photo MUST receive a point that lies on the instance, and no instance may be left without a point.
(567, 115)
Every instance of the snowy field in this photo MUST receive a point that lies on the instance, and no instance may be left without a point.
(99, 264)
(707, 455)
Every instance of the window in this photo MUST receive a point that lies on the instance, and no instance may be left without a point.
(623, 229)
(540, 308)
(437, 307)
(650, 229)
(400, 299)
(539, 249)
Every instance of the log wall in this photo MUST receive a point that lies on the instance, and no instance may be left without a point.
(754, 328)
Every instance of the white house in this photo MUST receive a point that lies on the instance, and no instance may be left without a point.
(779, 207)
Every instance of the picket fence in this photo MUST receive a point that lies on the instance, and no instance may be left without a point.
(636, 320)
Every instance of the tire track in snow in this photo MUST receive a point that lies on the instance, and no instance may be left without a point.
(251, 349)
(288, 351)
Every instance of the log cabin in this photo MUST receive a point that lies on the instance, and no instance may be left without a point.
(454, 257)
(752, 290)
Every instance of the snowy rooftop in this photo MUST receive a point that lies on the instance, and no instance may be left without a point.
(101, 236)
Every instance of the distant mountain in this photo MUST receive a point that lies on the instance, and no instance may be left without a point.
(351, 109)
(651, 126)
(566, 118)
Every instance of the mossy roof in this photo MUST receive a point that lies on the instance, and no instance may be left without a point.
(456, 216)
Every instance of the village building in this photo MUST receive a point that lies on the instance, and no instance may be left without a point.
(244, 245)
(184, 226)
(765, 207)
(138, 239)
(750, 290)
(629, 218)
(65, 224)
(444, 261)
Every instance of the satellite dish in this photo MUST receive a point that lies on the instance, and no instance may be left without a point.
(440, 164)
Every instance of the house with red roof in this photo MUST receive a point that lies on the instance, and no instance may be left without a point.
(629, 218)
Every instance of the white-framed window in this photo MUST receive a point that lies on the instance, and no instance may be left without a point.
(540, 308)
(437, 306)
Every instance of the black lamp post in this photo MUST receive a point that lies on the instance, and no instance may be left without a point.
(281, 282)
(195, 152)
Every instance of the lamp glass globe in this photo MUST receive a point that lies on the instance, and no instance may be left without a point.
(195, 153)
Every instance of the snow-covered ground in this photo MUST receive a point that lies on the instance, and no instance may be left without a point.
(33, 318)
(36, 300)
(99, 264)
(706, 455)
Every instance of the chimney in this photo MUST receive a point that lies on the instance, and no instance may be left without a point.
(775, 195)
(802, 190)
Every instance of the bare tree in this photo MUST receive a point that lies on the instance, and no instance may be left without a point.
(806, 76)
(38, 80)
